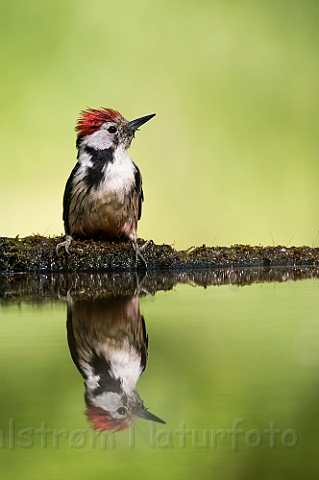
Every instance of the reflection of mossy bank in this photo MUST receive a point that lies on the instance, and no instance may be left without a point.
(38, 254)
(41, 288)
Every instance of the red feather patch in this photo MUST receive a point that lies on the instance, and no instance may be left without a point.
(91, 119)
(101, 420)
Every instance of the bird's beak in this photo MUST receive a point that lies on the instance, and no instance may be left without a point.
(138, 122)
(142, 413)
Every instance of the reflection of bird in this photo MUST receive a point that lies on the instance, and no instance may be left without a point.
(103, 195)
(108, 344)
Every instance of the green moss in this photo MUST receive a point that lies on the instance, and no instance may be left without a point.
(38, 254)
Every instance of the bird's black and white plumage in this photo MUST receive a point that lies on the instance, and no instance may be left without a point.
(103, 195)
(109, 345)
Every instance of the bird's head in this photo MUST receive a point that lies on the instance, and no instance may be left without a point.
(115, 412)
(106, 128)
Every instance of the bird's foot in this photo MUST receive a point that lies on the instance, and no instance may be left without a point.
(138, 251)
(65, 244)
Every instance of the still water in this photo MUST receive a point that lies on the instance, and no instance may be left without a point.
(92, 365)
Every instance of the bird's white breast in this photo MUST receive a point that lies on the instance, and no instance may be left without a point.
(119, 176)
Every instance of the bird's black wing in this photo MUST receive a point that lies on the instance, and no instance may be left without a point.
(72, 341)
(144, 346)
(139, 190)
(67, 199)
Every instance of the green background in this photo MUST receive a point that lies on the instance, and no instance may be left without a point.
(232, 155)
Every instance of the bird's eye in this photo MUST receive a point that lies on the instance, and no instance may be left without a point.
(112, 129)
(121, 410)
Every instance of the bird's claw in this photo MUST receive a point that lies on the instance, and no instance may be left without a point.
(65, 244)
(138, 251)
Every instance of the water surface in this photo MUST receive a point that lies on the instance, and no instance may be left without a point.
(232, 370)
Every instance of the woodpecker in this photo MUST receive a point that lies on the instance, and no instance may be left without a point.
(109, 346)
(103, 195)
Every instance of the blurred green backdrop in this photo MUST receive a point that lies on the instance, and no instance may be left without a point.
(231, 156)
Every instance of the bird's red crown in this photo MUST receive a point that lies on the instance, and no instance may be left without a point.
(91, 119)
(100, 419)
